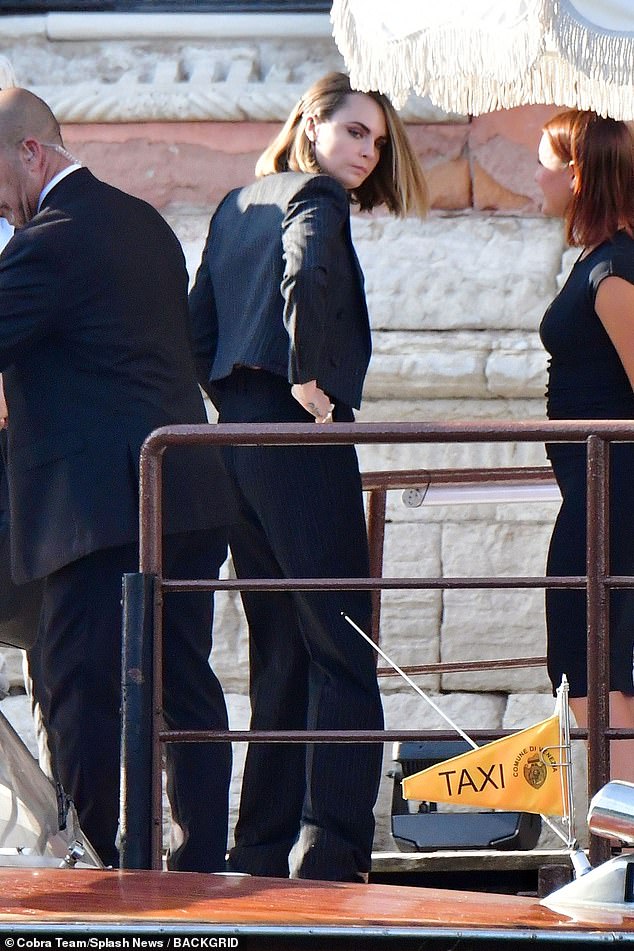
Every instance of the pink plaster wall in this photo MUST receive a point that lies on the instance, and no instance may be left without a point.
(191, 163)
(503, 150)
(487, 164)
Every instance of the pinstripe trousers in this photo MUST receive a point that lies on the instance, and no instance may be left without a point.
(305, 810)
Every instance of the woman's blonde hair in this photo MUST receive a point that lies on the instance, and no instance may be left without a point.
(397, 181)
(601, 150)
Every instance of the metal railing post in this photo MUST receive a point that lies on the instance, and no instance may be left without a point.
(376, 539)
(151, 562)
(136, 722)
(598, 610)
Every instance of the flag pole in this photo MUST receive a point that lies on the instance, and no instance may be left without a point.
(578, 857)
(408, 680)
(565, 838)
(566, 746)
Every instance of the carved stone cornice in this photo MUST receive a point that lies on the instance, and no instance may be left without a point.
(131, 101)
(7, 76)
(268, 100)
(175, 68)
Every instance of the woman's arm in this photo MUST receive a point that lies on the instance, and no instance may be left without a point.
(313, 241)
(614, 305)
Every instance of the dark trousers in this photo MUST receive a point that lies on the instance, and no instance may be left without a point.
(302, 516)
(75, 668)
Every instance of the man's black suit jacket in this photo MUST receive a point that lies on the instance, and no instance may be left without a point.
(280, 287)
(95, 353)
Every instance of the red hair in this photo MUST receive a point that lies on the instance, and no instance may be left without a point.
(601, 151)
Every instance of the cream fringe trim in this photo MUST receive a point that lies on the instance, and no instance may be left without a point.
(556, 57)
(602, 55)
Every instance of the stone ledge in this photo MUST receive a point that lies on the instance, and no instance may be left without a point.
(413, 365)
(160, 26)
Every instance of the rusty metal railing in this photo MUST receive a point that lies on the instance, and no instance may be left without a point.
(142, 731)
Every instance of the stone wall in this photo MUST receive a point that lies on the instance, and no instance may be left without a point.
(176, 111)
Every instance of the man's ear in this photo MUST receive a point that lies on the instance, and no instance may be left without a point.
(30, 150)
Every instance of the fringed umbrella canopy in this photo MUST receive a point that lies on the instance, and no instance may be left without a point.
(475, 56)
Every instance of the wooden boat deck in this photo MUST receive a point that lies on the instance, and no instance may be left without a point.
(53, 902)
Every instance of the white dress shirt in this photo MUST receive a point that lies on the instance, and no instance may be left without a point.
(6, 233)
(56, 178)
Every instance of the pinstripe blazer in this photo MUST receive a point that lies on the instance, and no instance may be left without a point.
(280, 287)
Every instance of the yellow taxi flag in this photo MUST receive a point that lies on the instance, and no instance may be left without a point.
(522, 772)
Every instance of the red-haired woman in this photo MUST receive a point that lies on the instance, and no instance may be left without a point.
(586, 175)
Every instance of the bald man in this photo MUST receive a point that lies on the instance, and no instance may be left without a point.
(95, 354)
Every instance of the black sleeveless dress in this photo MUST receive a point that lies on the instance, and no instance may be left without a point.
(586, 380)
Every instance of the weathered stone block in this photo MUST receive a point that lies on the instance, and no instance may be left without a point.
(388, 409)
(239, 711)
(410, 620)
(471, 272)
(469, 711)
(229, 657)
(503, 146)
(483, 625)
(442, 151)
(485, 549)
(451, 455)
(11, 668)
(449, 185)
(517, 369)
(418, 366)
(489, 194)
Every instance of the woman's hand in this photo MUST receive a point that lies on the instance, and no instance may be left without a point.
(314, 401)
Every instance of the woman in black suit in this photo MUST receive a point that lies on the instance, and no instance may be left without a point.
(282, 334)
